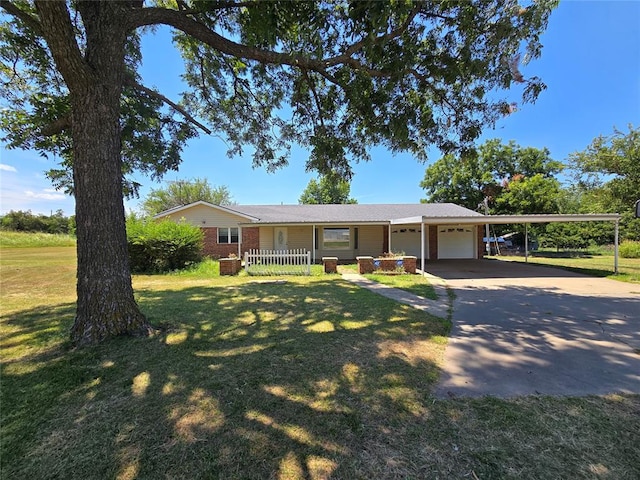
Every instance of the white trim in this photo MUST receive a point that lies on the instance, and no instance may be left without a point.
(422, 249)
(303, 223)
(616, 241)
(506, 219)
(171, 211)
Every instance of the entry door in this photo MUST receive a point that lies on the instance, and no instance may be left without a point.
(280, 238)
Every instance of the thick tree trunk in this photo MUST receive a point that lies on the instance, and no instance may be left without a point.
(105, 305)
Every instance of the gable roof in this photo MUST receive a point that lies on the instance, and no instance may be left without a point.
(335, 213)
(350, 213)
(227, 209)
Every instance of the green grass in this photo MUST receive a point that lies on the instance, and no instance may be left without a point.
(599, 263)
(23, 239)
(254, 377)
(416, 284)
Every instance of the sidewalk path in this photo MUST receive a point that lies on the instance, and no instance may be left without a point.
(439, 308)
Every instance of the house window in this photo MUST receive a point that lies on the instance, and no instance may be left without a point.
(336, 238)
(227, 235)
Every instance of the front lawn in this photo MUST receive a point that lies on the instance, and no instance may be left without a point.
(416, 284)
(253, 377)
(595, 264)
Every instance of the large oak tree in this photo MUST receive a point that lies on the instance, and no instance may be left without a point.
(334, 77)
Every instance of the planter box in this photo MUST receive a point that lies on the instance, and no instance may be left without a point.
(365, 265)
(330, 264)
(386, 264)
(230, 266)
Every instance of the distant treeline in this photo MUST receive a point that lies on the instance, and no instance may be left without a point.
(25, 221)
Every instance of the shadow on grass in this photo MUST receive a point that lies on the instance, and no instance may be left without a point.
(254, 381)
(307, 380)
(591, 272)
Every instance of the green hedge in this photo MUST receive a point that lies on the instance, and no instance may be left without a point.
(629, 249)
(156, 247)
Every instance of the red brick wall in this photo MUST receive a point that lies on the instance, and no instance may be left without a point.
(385, 238)
(482, 247)
(250, 239)
(433, 242)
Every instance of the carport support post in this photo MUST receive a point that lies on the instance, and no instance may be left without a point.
(422, 248)
(526, 243)
(615, 249)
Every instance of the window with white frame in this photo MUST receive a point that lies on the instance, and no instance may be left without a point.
(336, 238)
(227, 235)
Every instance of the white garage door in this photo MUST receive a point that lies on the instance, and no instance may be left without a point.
(406, 238)
(456, 241)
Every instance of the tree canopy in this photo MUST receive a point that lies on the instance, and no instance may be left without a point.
(607, 177)
(405, 75)
(327, 189)
(515, 179)
(183, 192)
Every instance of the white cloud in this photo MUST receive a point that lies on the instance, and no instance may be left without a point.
(7, 168)
(45, 195)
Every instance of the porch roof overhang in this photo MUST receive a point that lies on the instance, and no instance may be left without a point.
(506, 219)
(308, 224)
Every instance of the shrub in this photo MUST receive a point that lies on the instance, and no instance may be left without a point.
(629, 249)
(156, 247)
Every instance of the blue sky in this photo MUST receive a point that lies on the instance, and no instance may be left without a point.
(590, 63)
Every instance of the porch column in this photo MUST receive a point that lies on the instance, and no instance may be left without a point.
(389, 235)
(313, 242)
(615, 248)
(422, 247)
(239, 241)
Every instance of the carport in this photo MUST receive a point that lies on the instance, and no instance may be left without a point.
(460, 222)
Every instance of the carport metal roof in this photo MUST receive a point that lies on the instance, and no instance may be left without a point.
(508, 219)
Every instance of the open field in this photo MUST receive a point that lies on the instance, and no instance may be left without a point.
(595, 264)
(24, 240)
(304, 377)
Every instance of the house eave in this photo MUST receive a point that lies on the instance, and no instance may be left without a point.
(506, 219)
(309, 223)
(181, 208)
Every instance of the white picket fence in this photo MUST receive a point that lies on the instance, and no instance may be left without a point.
(278, 262)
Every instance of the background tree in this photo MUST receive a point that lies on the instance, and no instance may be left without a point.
(327, 189)
(406, 75)
(25, 221)
(183, 192)
(608, 175)
(515, 179)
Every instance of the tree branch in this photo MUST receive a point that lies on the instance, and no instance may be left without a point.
(32, 22)
(130, 81)
(57, 30)
(312, 86)
(180, 21)
(57, 126)
(386, 37)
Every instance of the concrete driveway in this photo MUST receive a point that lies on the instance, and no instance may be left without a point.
(524, 330)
